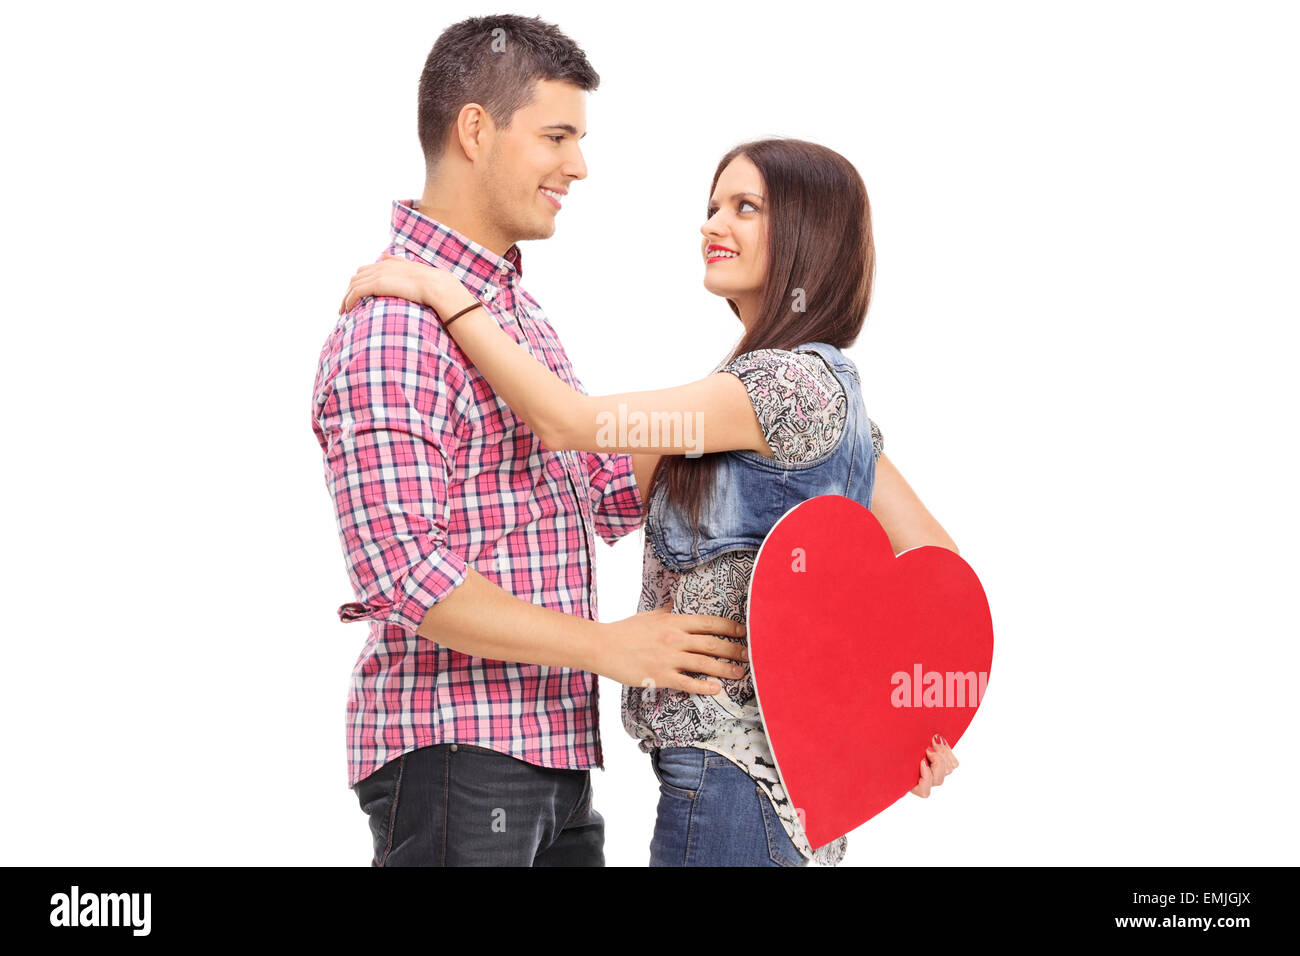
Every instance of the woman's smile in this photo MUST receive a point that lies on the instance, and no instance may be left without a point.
(734, 236)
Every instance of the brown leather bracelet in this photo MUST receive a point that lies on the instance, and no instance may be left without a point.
(460, 313)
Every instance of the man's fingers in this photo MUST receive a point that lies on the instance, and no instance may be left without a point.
(695, 686)
(714, 668)
(717, 647)
(708, 624)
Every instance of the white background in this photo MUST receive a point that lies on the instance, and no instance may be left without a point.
(1079, 353)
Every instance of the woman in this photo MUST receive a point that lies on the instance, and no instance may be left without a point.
(788, 244)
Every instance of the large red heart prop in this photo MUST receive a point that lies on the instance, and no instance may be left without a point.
(858, 658)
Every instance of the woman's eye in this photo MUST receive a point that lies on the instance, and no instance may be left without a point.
(713, 210)
(558, 138)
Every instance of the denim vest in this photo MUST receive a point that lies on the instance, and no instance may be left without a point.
(753, 492)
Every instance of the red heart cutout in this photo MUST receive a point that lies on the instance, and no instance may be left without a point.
(844, 640)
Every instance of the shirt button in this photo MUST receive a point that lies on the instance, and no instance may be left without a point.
(490, 292)
(503, 268)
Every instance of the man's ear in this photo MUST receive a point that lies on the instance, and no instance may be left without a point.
(474, 130)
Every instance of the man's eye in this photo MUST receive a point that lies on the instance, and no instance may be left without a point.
(558, 138)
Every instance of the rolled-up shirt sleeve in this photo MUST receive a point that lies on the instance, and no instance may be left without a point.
(615, 498)
(388, 416)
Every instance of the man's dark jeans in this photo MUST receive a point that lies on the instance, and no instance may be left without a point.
(461, 805)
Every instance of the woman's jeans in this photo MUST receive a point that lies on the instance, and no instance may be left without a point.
(712, 813)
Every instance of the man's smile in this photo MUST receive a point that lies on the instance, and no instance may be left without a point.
(553, 195)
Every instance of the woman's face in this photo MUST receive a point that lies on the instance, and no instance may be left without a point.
(734, 246)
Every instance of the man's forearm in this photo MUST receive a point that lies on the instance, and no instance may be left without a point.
(482, 620)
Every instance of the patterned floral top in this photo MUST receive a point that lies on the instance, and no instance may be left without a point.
(802, 410)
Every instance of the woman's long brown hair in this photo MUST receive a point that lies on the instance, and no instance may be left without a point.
(818, 241)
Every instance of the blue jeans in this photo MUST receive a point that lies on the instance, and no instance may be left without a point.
(712, 813)
(461, 805)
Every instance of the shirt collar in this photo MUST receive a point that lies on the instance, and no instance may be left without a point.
(480, 269)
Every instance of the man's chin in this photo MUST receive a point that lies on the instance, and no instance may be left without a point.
(538, 230)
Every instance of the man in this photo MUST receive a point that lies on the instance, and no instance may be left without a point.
(472, 720)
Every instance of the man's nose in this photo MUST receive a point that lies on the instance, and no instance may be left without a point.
(576, 167)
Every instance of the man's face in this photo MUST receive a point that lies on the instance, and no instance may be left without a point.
(537, 154)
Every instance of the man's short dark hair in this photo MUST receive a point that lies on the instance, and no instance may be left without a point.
(495, 62)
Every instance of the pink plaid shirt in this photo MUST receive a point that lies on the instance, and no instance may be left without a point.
(431, 473)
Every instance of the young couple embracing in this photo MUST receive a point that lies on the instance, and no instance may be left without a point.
(470, 474)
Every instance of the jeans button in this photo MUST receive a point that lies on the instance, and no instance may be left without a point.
(453, 748)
